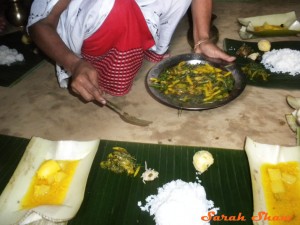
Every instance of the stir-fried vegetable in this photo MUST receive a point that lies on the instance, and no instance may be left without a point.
(198, 83)
(120, 161)
(255, 71)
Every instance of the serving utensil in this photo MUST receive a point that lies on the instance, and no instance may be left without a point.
(127, 117)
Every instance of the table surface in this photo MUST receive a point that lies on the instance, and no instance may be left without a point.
(36, 106)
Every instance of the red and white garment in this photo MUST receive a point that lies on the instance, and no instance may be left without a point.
(83, 18)
(117, 48)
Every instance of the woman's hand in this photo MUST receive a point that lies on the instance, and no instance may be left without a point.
(85, 82)
(201, 14)
(209, 49)
(84, 79)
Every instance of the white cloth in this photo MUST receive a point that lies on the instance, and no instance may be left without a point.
(83, 17)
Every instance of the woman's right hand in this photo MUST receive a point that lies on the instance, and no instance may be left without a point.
(84, 79)
(85, 82)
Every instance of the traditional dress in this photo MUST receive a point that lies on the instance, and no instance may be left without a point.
(114, 35)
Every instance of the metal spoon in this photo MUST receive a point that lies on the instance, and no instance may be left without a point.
(127, 117)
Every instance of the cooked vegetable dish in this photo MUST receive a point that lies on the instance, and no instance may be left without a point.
(194, 83)
(120, 161)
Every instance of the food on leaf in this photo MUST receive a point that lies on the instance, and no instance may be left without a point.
(267, 27)
(120, 161)
(254, 56)
(275, 176)
(281, 186)
(149, 174)
(179, 203)
(202, 160)
(47, 169)
(255, 71)
(284, 60)
(50, 184)
(244, 50)
(264, 45)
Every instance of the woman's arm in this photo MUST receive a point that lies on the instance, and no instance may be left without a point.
(84, 76)
(201, 14)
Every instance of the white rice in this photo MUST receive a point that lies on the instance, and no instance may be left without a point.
(178, 203)
(282, 61)
(9, 55)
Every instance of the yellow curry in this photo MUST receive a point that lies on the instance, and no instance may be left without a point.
(50, 184)
(281, 183)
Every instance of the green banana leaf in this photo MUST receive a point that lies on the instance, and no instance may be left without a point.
(112, 199)
(275, 80)
(15, 72)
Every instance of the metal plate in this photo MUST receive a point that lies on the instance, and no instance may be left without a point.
(240, 81)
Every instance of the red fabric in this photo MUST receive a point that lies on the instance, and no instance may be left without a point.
(152, 56)
(117, 70)
(117, 48)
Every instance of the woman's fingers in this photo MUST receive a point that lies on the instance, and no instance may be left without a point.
(213, 51)
(85, 83)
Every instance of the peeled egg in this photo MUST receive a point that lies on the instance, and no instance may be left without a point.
(202, 160)
(48, 168)
(264, 45)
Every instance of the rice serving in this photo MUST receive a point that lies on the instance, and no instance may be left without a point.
(9, 55)
(178, 203)
(282, 61)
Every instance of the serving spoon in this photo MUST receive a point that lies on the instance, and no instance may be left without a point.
(127, 117)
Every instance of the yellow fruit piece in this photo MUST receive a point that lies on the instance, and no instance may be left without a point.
(59, 177)
(47, 169)
(277, 186)
(274, 174)
(41, 190)
(288, 178)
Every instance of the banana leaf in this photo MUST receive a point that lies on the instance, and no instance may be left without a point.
(15, 72)
(275, 80)
(113, 198)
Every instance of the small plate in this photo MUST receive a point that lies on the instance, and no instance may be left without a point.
(37, 151)
(240, 81)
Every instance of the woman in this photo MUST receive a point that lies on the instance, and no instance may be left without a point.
(100, 44)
